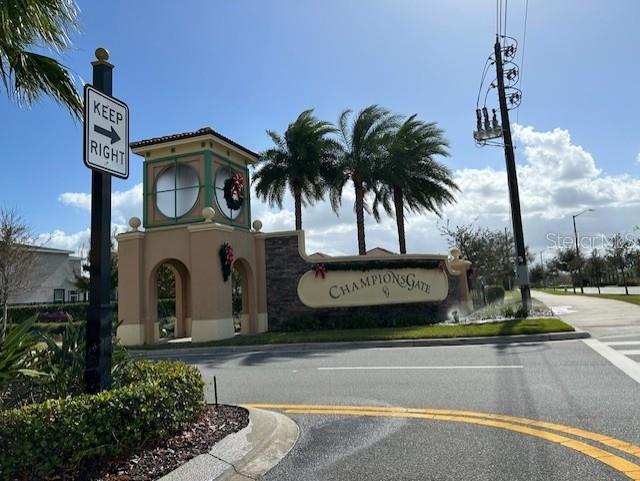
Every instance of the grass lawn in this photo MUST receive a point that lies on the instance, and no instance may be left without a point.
(631, 298)
(503, 328)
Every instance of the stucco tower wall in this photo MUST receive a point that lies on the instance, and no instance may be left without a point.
(203, 307)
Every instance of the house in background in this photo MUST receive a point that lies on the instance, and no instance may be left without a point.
(52, 278)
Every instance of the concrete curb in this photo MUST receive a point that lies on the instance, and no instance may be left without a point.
(451, 341)
(246, 455)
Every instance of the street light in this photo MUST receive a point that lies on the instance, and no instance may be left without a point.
(575, 231)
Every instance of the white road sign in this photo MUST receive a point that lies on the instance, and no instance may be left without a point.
(106, 133)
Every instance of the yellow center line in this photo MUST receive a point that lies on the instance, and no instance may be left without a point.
(629, 469)
(600, 438)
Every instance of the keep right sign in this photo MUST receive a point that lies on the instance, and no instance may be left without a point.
(106, 133)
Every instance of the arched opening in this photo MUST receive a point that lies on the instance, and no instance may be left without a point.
(242, 302)
(169, 303)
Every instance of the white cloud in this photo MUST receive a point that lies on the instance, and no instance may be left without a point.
(124, 204)
(58, 239)
(557, 178)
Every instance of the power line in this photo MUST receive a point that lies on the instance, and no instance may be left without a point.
(506, 6)
(524, 43)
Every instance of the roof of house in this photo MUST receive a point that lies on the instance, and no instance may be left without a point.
(195, 133)
(49, 250)
(377, 251)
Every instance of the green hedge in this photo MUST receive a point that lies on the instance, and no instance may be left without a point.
(78, 311)
(353, 322)
(65, 435)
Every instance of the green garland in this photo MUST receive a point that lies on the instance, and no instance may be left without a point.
(371, 264)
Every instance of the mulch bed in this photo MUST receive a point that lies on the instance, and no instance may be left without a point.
(154, 461)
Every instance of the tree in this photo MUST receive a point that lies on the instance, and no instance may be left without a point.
(566, 260)
(537, 275)
(620, 251)
(82, 283)
(363, 142)
(27, 75)
(491, 251)
(411, 176)
(596, 267)
(297, 162)
(17, 259)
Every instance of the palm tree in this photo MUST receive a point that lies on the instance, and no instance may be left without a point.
(363, 145)
(411, 176)
(297, 161)
(26, 75)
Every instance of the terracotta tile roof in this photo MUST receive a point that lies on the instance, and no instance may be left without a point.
(187, 135)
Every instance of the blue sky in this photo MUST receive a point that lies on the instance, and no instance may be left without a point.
(242, 67)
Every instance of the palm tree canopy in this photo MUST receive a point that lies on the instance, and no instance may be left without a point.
(26, 75)
(297, 161)
(409, 164)
(362, 144)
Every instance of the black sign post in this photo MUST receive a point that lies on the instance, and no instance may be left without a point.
(97, 373)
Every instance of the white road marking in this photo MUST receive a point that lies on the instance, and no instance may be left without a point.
(622, 362)
(620, 336)
(623, 343)
(630, 352)
(402, 368)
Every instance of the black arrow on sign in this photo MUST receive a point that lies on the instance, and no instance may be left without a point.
(113, 135)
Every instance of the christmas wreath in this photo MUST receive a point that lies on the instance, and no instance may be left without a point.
(234, 191)
(226, 259)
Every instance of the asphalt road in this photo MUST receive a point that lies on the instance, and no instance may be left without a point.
(564, 382)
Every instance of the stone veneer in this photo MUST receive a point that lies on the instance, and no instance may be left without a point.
(284, 267)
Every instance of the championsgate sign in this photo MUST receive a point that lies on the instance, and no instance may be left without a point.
(372, 287)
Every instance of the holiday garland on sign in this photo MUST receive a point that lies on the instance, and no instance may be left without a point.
(322, 269)
(234, 191)
(226, 260)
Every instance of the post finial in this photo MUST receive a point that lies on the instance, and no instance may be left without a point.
(102, 54)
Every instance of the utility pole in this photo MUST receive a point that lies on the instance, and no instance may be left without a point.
(542, 268)
(516, 216)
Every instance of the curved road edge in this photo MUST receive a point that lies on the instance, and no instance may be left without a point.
(246, 455)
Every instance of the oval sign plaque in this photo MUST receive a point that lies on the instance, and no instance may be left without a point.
(372, 287)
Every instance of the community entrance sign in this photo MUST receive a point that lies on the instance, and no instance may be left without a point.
(106, 133)
(372, 287)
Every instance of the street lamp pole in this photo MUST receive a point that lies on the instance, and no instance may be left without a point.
(575, 231)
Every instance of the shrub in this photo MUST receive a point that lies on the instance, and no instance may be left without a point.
(520, 313)
(494, 294)
(65, 435)
(301, 324)
(508, 311)
(77, 311)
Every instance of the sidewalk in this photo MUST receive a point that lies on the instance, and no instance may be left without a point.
(600, 317)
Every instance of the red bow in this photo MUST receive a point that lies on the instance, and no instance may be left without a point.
(320, 269)
(237, 185)
(441, 266)
(229, 255)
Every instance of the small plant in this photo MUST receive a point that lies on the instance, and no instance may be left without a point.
(508, 312)
(521, 313)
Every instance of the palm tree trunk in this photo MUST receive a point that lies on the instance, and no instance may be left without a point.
(362, 248)
(398, 201)
(297, 200)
